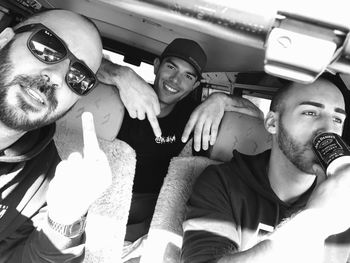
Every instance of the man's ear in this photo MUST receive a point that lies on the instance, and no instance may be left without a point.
(196, 84)
(5, 36)
(156, 64)
(271, 122)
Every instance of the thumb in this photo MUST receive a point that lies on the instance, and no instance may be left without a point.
(319, 172)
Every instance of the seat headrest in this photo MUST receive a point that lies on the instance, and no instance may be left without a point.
(240, 132)
(105, 105)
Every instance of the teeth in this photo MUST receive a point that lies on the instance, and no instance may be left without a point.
(170, 89)
(34, 95)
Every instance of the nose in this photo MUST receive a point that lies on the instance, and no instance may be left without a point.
(56, 73)
(175, 77)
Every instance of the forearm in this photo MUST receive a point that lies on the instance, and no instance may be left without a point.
(110, 73)
(297, 240)
(242, 105)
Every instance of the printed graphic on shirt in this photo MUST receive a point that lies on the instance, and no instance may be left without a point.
(258, 235)
(165, 139)
(3, 209)
(264, 229)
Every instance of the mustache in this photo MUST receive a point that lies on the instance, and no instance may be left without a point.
(34, 82)
(40, 83)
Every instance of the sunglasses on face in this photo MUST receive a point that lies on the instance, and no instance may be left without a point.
(46, 46)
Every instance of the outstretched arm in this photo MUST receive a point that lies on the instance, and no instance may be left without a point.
(205, 119)
(137, 95)
(300, 238)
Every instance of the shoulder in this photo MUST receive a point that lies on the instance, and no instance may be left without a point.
(216, 178)
(233, 177)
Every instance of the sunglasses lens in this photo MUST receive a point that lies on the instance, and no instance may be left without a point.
(47, 47)
(80, 78)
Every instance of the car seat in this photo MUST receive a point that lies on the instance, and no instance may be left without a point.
(107, 216)
(237, 132)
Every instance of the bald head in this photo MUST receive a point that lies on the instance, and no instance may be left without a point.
(321, 86)
(298, 113)
(35, 91)
(78, 32)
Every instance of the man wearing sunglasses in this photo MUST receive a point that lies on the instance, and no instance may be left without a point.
(46, 64)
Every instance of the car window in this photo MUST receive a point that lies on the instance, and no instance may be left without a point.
(145, 70)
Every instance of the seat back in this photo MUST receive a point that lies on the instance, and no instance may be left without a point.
(107, 217)
(237, 132)
(165, 235)
(108, 110)
(240, 132)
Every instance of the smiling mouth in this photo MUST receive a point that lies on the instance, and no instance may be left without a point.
(170, 89)
(34, 95)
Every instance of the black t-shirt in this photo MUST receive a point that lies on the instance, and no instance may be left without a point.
(153, 154)
(233, 207)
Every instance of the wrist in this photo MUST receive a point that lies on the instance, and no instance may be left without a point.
(223, 99)
(66, 215)
(228, 102)
(72, 230)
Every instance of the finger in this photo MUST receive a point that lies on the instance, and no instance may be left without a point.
(74, 157)
(154, 124)
(188, 128)
(214, 132)
(198, 135)
(141, 115)
(91, 146)
(206, 135)
(65, 167)
(156, 107)
(132, 114)
(319, 172)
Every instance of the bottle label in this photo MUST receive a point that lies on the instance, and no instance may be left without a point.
(328, 147)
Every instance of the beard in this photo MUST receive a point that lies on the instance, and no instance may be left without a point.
(17, 117)
(296, 152)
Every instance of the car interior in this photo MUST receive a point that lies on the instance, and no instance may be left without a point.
(250, 45)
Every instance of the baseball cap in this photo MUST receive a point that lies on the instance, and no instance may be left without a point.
(188, 50)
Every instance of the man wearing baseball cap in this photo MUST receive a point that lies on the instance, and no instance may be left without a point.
(178, 72)
(188, 50)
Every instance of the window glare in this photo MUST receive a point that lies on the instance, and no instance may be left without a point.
(144, 70)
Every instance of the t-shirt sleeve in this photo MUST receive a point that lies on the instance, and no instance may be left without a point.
(210, 230)
(42, 244)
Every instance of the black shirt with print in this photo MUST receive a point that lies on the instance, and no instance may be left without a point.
(153, 154)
